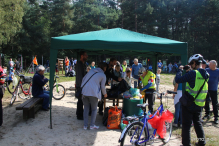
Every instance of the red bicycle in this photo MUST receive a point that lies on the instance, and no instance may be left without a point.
(25, 84)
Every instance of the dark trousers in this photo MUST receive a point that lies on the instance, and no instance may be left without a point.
(101, 105)
(214, 100)
(1, 108)
(150, 98)
(189, 115)
(80, 110)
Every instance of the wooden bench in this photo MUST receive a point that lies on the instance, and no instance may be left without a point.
(120, 97)
(30, 107)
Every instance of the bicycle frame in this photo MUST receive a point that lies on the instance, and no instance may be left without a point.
(28, 92)
(159, 111)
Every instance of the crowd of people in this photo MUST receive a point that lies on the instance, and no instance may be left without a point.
(201, 80)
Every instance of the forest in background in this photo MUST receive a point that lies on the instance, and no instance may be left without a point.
(26, 26)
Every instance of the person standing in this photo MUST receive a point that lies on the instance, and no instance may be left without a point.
(91, 92)
(159, 64)
(135, 68)
(194, 79)
(66, 65)
(148, 80)
(170, 66)
(212, 91)
(17, 65)
(80, 73)
(124, 67)
(2, 90)
(158, 80)
(72, 62)
(10, 64)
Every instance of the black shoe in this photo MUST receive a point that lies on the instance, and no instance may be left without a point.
(196, 144)
(206, 117)
(101, 113)
(215, 121)
(45, 109)
(80, 118)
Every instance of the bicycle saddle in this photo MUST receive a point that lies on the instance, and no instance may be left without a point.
(142, 105)
(21, 75)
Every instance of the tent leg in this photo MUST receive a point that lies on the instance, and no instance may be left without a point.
(184, 62)
(154, 59)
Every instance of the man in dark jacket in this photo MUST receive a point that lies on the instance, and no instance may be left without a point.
(80, 73)
(37, 88)
(109, 75)
(192, 113)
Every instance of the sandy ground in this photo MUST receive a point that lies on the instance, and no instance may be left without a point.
(67, 130)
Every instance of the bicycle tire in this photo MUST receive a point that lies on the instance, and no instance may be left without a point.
(61, 90)
(129, 132)
(168, 132)
(10, 87)
(14, 96)
(25, 87)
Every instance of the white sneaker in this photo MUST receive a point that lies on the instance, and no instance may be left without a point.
(85, 127)
(175, 125)
(94, 127)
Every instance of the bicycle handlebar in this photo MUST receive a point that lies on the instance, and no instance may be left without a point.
(171, 92)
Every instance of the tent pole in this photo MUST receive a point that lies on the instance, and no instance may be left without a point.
(53, 56)
(184, 62)
(154, 59)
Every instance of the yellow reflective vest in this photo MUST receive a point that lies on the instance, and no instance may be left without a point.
(124, 68)
(199, 81)
(149, 75)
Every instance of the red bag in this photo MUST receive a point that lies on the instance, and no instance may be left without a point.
(158, 122)
(114, 118)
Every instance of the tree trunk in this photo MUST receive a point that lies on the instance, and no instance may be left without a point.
(135, 16)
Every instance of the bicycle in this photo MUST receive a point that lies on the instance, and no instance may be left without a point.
(138, 127)
(25, 84)
(58, 90)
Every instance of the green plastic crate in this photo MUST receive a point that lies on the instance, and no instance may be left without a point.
(130, 107)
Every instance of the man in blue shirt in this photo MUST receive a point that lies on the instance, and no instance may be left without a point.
(159, 64)
(135, 68)
(212, 90)
(37, 88)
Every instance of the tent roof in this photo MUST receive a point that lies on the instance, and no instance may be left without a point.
(116, 41)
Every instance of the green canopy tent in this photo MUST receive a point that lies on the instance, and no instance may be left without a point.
(115, 42)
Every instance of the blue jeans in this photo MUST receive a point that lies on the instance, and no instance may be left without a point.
(178, 113)
(136, 84)
(45, 97)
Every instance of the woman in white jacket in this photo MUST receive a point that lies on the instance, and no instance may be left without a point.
(92, 91)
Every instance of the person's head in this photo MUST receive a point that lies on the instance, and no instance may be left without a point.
(11, 70)
(88, 68)
(142, 71)
(204, 64)
(187, 68)
(10, 59)
(159, 60)
(112, 62)
(136, 61)
(117, 68)
(195, 61)
(213, 64)
(128, 72)
(93, 63)
(158, 71)
(103, 66)
(41, 69)
(66, 57)
(83, 56)
(124, 62)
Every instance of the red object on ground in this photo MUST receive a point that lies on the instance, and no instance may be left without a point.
(158, 122)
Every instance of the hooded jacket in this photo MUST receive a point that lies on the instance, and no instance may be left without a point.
(38, 83)
(95, 85)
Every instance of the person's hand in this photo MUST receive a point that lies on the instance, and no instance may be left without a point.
(105, 96)
(119, 79)
(173, 96)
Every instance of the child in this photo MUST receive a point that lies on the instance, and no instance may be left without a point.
(117, 73)
(11, 76)
(158, 80)
(128, 77)
(88, 69)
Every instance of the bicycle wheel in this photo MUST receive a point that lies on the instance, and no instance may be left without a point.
(58, 92)
(10, 87)
(26, 88)
(132, 133)
(14, 96)
(168, 134)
